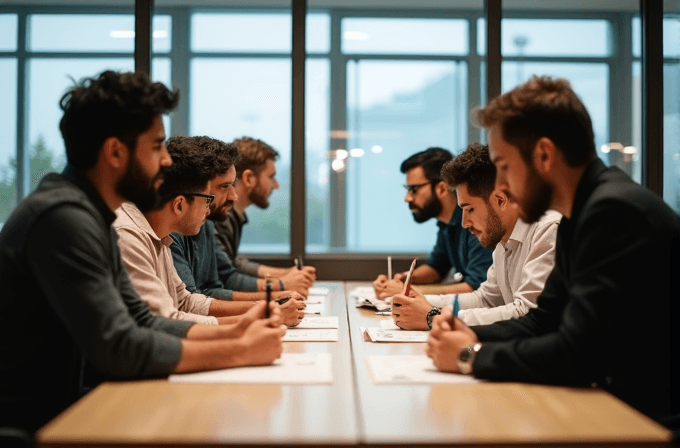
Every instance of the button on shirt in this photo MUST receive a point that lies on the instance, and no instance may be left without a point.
(515, 279)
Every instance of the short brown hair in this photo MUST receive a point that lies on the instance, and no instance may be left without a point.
(254, 155)
(542, 107)
(474, 168)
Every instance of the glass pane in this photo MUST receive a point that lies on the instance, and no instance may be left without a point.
(481, 36)
(405, 36)
(553, 37)
(671, 135)
(671, 36)
(234, 32)
(8, 32)
(318, 39)
(105, 33)
(161, 71)
(8, 136)
(317, 147)
(256, 102)
(590, 81)
(48, 80)
(394, 109)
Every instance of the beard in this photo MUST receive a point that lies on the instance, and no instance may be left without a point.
(537, 199)
(259, 198)
(494, 229)
(220, 213)
(138, 188)
(431, 209)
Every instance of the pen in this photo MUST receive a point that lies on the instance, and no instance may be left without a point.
(407, 284)
(298, 262)
(269, 298)
(282, 300)
(389, 267)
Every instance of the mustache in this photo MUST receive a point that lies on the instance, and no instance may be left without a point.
(228, 203)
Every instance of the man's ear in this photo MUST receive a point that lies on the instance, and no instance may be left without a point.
(248, 179)
(545, 153)
(177, 205)
(441, 189)
(115, 153)
(499, 198)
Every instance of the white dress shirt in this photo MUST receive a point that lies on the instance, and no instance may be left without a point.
(515, 279)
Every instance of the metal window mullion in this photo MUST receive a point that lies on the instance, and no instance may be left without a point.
(298, 216)
(22, 150)
(181, 66)
(651, 15)
(143, 12)
(474, 81)
(493, 11)
(620, 81)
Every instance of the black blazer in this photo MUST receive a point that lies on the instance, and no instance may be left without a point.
(604, 317)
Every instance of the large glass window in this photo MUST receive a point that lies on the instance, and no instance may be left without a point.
(8, 32)
(671, 109)
(8, 136)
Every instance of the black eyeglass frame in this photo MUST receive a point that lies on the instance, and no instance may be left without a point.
(208, 197)
(413, 189)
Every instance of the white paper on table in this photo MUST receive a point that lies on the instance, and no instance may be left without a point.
(315, 299)
(313, 308)
(319, 290)
(381, 335)
(291, 368)
(365, 296)
(311, 335)
(318, 322)
(412, 369)
(388, 324)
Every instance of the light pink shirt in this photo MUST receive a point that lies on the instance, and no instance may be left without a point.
(516, 277)
(149, 263)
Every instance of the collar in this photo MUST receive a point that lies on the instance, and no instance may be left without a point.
(586, 185)
(137, 217)
(455, 219)
(78, 178)
(240, 218)
(518, 235)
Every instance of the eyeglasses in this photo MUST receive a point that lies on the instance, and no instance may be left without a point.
(413, 189)
(208, 197)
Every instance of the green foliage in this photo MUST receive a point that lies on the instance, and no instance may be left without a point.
(42, 161)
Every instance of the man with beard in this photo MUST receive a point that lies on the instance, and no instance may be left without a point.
(604, 316)
(428, 197)
(256, 180)
(144, 237)
(524, 254)
(200, 262)
(70, 316)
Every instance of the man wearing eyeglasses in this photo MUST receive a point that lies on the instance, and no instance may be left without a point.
(456, 248)
(185, 203)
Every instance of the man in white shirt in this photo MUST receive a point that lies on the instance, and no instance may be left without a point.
(522, 260)
(144, 239)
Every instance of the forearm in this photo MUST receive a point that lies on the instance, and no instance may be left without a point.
(200, 355)
(221, 308)
(270, 271)
(240, 296)
(457, 288)
(226, 330)
(425, 274)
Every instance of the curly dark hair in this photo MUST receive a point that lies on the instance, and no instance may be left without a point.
(474, 168)
(431, 160)
(121, 105)
(254, 154)
(542, 107)
(195, 161)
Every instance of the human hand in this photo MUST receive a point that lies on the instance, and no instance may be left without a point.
(276, 295)
(262, 343)
(444, 344)
(300, 280)
(410, 312)
(291, 312)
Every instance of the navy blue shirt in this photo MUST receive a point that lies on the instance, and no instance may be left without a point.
(204, 267)
(457, 248)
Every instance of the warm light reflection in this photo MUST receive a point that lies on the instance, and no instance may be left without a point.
(338, 165)
(356, 152)
(377, 149)
(340, 154)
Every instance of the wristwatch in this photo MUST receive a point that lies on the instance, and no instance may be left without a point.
(466, 357)
(430, 315)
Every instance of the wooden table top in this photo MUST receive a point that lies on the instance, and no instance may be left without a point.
(352, 411)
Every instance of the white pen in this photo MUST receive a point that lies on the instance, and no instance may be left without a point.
(389, 267)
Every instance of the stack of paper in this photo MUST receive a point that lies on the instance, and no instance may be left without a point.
(365, 296)
(319, 322)
(381, 335)
(315, 290)
(291, 368)
(417, 369)
(311, 335)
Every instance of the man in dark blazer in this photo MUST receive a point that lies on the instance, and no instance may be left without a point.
(604, 316)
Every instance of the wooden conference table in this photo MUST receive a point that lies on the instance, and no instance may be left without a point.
(352, 411)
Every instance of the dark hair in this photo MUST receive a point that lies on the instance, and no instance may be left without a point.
(254, 154)
(195, 161)
(431, 160)
(474, 168)
(542, 107)
(121, 105)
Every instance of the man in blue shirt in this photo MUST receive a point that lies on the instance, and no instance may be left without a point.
(456, 248)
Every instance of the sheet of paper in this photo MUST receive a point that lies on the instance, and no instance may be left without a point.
(313, 308)
(411, 369)
(388, 324)
(315, 299)
(291, 368)
(311, 335)
(381, 335)
(312, 321)
(365, 296)
(314, 290)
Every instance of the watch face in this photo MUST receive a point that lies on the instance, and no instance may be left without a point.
(465, 354)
